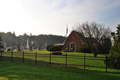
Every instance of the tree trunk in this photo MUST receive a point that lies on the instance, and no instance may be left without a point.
(94, 51)
(95, 55)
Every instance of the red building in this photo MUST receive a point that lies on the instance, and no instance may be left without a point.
(73, 42)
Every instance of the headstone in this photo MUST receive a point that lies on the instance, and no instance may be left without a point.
(5, 45)
(45, 45)
(11, 47)
(39, 48)
(42, 47)
(19, 46)
(30, 47)
(24, 46)
(27, 46)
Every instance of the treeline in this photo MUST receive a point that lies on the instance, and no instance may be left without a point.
(12, 40)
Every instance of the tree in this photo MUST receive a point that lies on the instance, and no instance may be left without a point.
(14, 33)
(1, 46)
(94, 35)
(113, 60)
(11, 39)
(116, 38)
(105, 47)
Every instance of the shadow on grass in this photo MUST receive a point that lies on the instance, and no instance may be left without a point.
(29, 71)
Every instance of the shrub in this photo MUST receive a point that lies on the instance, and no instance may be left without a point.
(65, 51)
(77, 51)
(48, 46)
(85, 49)
(8, 49)
(113, 61)
(56, 53)
(54, 48)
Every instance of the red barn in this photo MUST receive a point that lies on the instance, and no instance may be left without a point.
(73, 42)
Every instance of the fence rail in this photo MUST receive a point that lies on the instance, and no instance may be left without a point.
(50, 57)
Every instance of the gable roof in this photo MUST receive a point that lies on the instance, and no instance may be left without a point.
(78, 34)
(63, 41)
(87, 38)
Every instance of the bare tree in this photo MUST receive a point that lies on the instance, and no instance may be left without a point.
(94, 35)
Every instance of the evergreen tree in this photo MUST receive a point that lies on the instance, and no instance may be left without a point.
(115, 49)
(113, 60)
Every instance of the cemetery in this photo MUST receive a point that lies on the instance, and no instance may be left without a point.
(59, 39)
(69, 57)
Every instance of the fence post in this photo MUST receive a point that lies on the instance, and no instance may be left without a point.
(36, 58)
(66, 59)
(84, 61)
(23, 57)
(50, 58)
(1, 56)
(106, 63)
(11, 56)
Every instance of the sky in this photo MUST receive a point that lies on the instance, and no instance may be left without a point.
(53, 16)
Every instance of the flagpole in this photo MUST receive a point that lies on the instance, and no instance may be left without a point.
(66, 30)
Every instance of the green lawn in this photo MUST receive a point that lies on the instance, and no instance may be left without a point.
(28, 70)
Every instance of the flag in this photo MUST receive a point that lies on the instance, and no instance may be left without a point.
(67, 30)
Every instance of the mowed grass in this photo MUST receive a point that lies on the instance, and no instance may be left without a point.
(73, 58)
(28, 70)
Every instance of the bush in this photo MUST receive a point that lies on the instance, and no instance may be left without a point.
(113, 61)
(77, 51)
(54, 48)
(56, 53)
(85, 49)
(48, 46)
(65, 51)
(8, 49)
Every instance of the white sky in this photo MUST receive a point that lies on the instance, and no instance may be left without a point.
(52, 16)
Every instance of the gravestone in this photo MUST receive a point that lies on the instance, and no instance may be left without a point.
(27, 46)
(24, 46)
(5, 45)
(19, 46)
(45, 45)
(30, 47)
(39, 48)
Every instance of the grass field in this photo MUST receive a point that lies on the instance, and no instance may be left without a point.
(28, 70)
